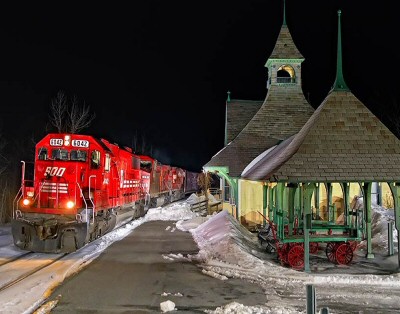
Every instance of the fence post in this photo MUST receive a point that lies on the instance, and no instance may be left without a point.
(390, 238)
(311, 303)
(324, 310)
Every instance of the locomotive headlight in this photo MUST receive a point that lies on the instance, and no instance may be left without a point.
(70, 204)
(67, 139)
(26, 201)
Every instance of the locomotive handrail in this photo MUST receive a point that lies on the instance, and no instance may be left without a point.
(84, 200)
(90, 198)
(17, 197)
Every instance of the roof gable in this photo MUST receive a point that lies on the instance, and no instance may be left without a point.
(282, 114)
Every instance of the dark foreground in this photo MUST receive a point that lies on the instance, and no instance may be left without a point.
(132, 276)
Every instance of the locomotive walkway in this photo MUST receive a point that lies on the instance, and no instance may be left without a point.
(132, 276)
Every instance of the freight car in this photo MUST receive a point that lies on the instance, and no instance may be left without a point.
(83, 187)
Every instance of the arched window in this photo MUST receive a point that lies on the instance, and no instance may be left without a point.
(286, 74)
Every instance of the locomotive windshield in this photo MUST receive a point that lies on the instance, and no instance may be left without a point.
(78, 155)
(62, 154)
(59, 154)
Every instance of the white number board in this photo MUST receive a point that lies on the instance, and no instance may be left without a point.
(56, 142)
(80, 143)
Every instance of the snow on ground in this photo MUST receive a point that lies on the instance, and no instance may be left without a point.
(229, 250)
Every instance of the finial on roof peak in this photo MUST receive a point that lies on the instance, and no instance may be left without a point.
(284, 12)
(229, 96)
(339, 84)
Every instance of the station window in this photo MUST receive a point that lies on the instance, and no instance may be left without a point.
(42, 154)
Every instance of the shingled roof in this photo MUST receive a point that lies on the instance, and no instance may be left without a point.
(282, 114)
(343, 141)
(285, 47)
(239, 113)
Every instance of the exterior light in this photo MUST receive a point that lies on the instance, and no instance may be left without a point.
(67, 139)
(26, 201)
(70, 204)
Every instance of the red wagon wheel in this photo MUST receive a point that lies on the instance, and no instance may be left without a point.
(330, 251)
(283, 249)
(296, 257)
(344, 254)
(313, 247)
(353, 245)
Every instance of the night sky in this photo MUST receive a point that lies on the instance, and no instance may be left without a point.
(160, 70)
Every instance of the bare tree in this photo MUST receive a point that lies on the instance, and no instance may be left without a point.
(3, 158)
(69, 116)
(58, 109)
(140, 143)
(79, 117)
(4, 186)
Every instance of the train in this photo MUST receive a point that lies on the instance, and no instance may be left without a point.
(80, 187)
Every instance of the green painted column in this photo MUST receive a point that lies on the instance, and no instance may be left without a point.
(316, 200)
(329, 200)
(272, 205)
(347, 212)
(291, 208)
(307, 193)
(298, 198)
(279, 209)
(395, 188)
(265, 202)
(368, 217)
(236, 196)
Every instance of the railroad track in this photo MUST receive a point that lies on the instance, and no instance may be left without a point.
(22, 266)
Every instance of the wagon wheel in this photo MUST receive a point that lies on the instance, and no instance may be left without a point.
(330, 251)
(344, 254)
(353, 245)
(313, 247)
(283, 249)
(296, 257)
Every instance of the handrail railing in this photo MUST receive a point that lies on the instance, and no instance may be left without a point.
(286, 80)
(90, 196)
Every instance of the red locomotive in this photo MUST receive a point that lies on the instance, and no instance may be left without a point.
(83, 187)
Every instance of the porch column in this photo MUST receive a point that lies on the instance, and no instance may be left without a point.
(308, 190)
(346, 195)
(236, 197)
(368, 217)
(265, 201)
(395, 188)
(279, 208)
(291, 206)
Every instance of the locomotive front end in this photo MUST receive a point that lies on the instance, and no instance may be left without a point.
(51, 213)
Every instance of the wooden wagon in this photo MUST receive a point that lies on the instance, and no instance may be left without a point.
(294, 242)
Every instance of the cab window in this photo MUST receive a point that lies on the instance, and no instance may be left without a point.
(95, 159)
(42, 154)
(107, 164)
